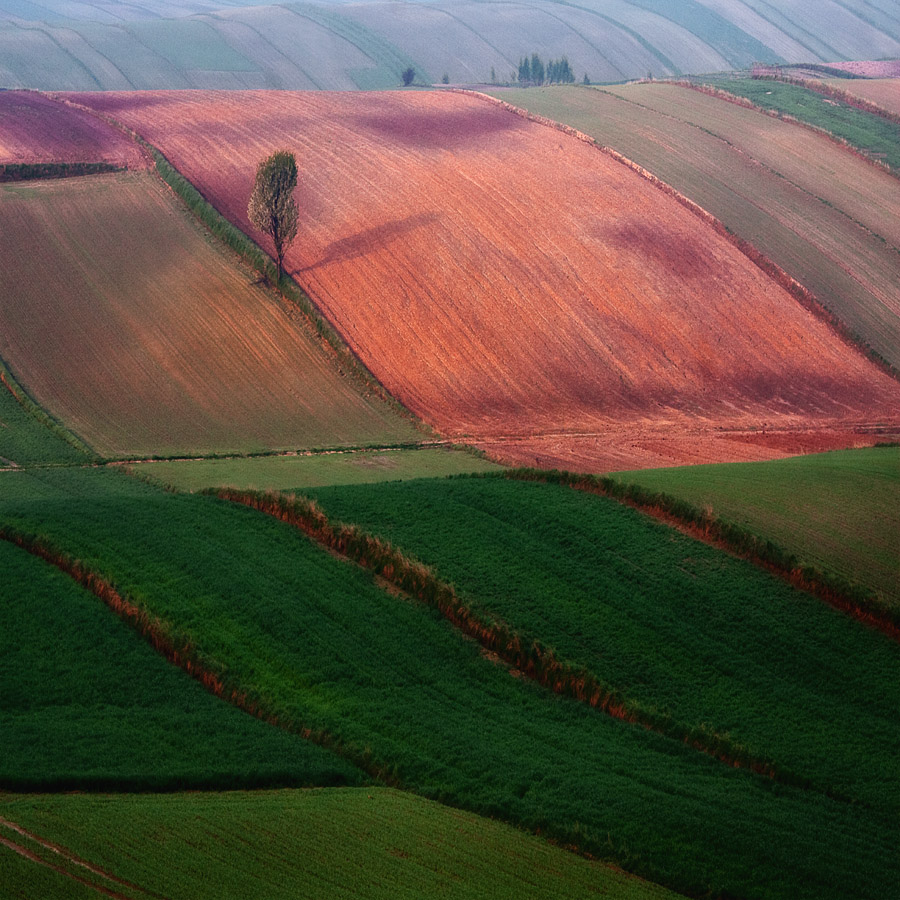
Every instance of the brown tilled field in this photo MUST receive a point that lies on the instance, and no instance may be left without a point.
(34, 129)
(883, 92)
(121, 318)
(506, 280)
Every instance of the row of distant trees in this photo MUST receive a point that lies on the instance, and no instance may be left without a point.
(533, 71)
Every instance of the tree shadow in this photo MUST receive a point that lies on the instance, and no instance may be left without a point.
(369, 240)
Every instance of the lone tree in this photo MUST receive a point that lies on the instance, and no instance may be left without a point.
(408, 76)
(272, 208)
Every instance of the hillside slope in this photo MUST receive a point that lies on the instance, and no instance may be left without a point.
(150, 44)
(506, 280)
(142, 336)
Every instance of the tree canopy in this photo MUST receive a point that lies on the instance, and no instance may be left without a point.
(272, 208)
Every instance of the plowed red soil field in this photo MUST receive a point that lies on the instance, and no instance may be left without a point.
(34, 129)
(504, 279)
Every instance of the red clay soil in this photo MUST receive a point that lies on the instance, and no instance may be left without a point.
(509, 282)
(34, 129)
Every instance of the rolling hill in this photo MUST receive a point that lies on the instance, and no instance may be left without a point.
(511, 284)
(152, 44)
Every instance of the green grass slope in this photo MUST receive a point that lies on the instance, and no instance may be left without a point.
(288, 472)
(87, 704)
(836, 511)
(656, 615)
(395, 685)
(138, 331)
(332, 844)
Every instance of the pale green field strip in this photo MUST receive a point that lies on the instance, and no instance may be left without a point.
(316, 470)
(338, 843)
(850, 268)
(134, 329)
(837, 511)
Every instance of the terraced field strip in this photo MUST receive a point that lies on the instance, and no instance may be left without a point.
(881, 92)
(419, 242)
(79, 686)
(307, 470)
(873, 136)
(652, 614)
(850, 268)
(836, 511)
(396, 684)
(328, 844)
(162, 346)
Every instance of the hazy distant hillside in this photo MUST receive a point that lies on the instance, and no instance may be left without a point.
(68, 44)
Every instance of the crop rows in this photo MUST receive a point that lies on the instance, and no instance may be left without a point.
(328, 845)
(88, 705)
(743, 167)
(164, 346)
(429, 281)
(323, 647)
(656, 615)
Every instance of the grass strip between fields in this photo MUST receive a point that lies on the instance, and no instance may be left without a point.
(253, 255)
(858, 602)
(522, 653)
(179, 649)
(31, 171)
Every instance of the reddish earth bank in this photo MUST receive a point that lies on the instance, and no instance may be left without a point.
(506, 280)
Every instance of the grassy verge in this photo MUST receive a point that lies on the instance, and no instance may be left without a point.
(315, 844)
(874, 136)
(30, 171)
(323, 646)
(28, 434)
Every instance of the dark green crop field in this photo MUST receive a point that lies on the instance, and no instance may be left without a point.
(673, 624)
(87, 704)
(836, 511)
(334, 844)
(873, 135)
(322, 646)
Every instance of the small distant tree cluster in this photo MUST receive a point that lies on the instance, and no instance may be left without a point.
(408, 76)
(532, 71)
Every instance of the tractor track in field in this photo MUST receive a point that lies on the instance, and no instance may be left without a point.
(68, 857)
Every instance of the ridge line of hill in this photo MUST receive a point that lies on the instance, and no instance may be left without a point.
(798, 291)
(523, 654)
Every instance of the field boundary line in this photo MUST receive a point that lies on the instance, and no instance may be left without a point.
(524, 655)
(178, 649)
(783, 279)
(69, 857)
(858, 602)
